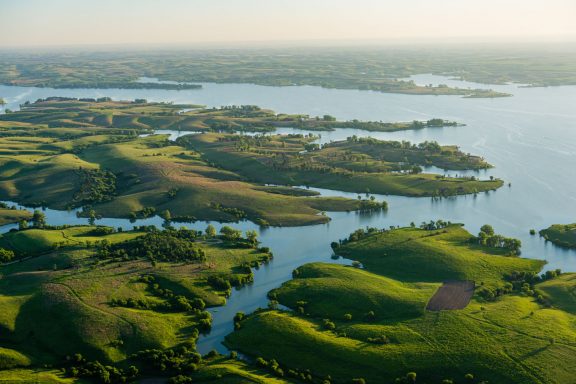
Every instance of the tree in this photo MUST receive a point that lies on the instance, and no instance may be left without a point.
(22, 224)
(166, 215)
(252, 236)
(38, 219)
(411, 377)
(210, 231)
(230, 233)
(487, 229)
(92, 217)
(6, 255)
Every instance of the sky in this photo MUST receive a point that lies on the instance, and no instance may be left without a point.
(35, 23)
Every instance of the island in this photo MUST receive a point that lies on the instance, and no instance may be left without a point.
(100, 156)
(428, 303)
(11, 214)
(561, 235)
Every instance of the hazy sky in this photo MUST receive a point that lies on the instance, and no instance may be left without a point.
(66, 22)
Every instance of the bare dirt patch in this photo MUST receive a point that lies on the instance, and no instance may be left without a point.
(452, 295)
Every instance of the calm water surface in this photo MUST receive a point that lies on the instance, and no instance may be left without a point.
(529, 138)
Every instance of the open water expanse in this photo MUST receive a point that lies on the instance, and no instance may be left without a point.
(530, 138)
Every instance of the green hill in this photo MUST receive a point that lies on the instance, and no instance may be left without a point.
(561, 292)
(562, 235)
(331, 291)
(414, 254)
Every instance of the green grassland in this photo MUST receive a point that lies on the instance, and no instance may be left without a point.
(24, 376)
(354, 165)
(141, 115)
(381, 69)
(562, 235)
(371, 323)
(561, 292)
(66, 153)
(502, 342)
(448, 254)
(8, 216)
(43, 163)
(71, 291)
(328, 290)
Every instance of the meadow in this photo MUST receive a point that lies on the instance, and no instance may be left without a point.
(562, 235)
(353, 165)
(369, 321)
(69, 153)
(68, 296)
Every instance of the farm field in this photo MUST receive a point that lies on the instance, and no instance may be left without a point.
(451, 295)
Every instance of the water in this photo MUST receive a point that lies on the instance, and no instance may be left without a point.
(530, 138)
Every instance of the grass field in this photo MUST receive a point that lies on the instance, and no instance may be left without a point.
(25, 376)
(331, 291)
(354, 166)
(9, 216)
(371, 323)
(52, 150)
(70, 291)
(561, 292)
(507, 341)
(562, 235)
(447, 254)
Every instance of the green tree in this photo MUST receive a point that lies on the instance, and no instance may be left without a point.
(22, 224)
(6, 255)
(38, 219)
(487, 229)
(210, 231)
(230, 233)
(252, 236)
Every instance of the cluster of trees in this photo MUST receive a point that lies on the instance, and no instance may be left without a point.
(96, 186)
(172, 303)
(236, 212)
(181, 360)
(168, 245)
(410, 378)
(369, 205)
(38, 220)
(6, 255)
(78, 366)
(520, 282)
(357, 235)
(434, 225)
(226, 282)
(427, 146)
(488, 238)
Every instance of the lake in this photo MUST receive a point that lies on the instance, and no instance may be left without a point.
(530, 138)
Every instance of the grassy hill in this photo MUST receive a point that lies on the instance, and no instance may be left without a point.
(73, 290)
(507, 341)
(371, 323)
(562, 235)
(62, 154)
(331, 291)
(353, 165)
(414, 254)
(561, 292)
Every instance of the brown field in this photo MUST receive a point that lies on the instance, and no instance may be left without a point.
(452, 295)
